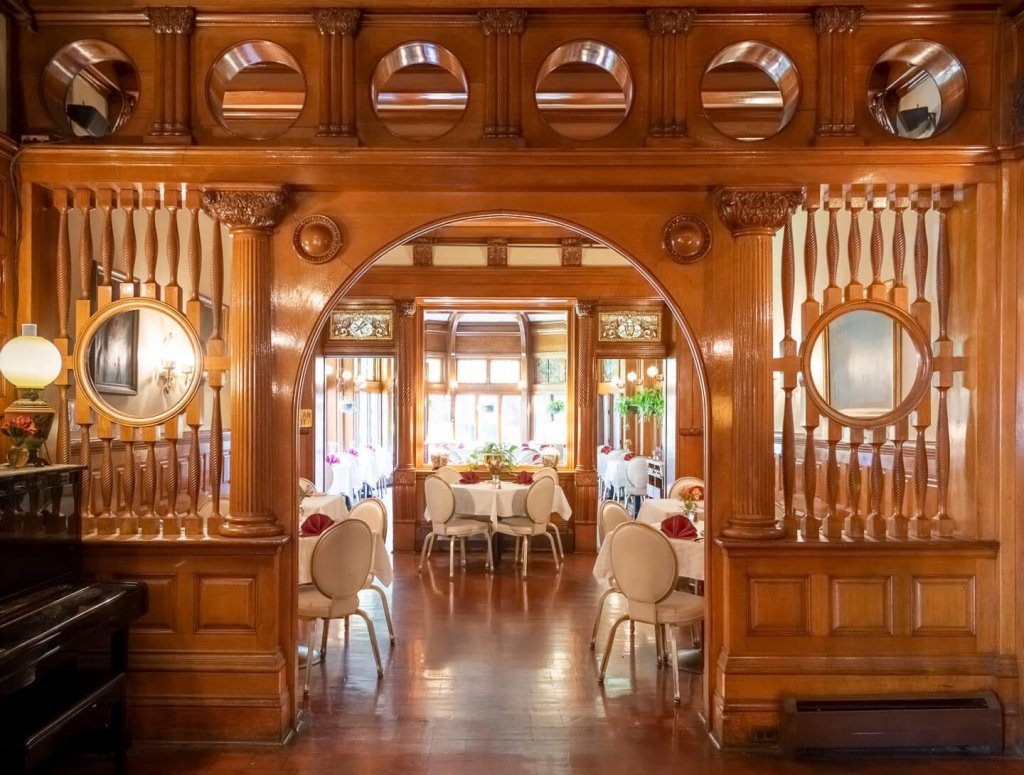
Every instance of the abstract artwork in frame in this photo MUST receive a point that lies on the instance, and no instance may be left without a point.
(113, 352)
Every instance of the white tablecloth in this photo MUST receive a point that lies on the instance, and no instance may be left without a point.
(509, 501)
(654, 510)
(689, 558)
(331, 505)
(381, 559)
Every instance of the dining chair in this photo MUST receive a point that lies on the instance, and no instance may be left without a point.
(552, 527)
(340, 565)
(328, 478)
(636, 481)
(539, 500)
(644, 567)
(445, 522)
(375, 514)
(615, 474)
(682, 483)
(610, 515)
(449, 474)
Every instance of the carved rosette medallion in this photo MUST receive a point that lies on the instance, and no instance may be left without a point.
(687, 238)
(756, 211)
(317, 239)
(337, 21)
(245, 209)
(669, 21)
(502, 21)
(837, 19)
(171, 21)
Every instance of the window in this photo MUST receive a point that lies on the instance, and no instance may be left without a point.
(504, 371)
(551, 370)
(549, 418)
(471, 371)
(435, 370)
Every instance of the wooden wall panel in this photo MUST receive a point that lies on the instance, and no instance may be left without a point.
(225, 603)
(944, 605)
(861, 606)
(779, 606)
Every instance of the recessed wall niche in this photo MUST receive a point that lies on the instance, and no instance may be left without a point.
(89, 88)
(916, 89)
(256, 90)
(419, 90)
(584, 89)
(750, 90)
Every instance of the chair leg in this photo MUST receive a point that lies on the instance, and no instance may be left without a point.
(554, 550)
(309, 653)
(346, 630)
(490, 555)
(426, 545)
(451, 556)
(558, 538)
(387, 611)
(608, 647)
(518, 542)
(462, 550)
(373, 639)
(323, 640)
(673, 661)
(526, 555)
(659, 643)
(597, 619)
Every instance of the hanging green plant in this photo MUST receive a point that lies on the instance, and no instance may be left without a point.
(555, 406)
(625, 404)
(649, 402)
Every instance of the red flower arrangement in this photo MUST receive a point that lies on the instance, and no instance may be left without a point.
(18, 428)
(694, 492)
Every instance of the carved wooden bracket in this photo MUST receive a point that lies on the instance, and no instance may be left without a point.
(172, 119)
(337, 28)
(757, 210)
(835, 26)
(423, 252)
(502, 29)
(248, 209)
(572, 251)
(497, 252)
(667, 28)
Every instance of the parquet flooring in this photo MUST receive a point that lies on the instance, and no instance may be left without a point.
(495, 676)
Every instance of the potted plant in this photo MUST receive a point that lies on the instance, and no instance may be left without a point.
(555, 406)
(624, 405)
(497, 457)
(649, 402)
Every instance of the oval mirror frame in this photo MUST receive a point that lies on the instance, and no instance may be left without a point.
(774, 65)
(594, 54)
(429, 104)
(83, 379)
(270, 120)
(919, 59)
(922, 377)
(109, 71)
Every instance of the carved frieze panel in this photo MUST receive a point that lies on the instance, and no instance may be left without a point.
(362, 325)
(629, 326)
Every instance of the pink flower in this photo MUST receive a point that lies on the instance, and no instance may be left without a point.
(353, 452)
(694, 492)
(332, 459)
(18, 427)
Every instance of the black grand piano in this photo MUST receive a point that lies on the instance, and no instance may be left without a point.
(63, 640)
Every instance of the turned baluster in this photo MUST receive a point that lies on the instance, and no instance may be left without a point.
(170, 525)
(129, 521)
(944, 367)
(898, 523)
(832, 525)
(790, 367)
(854, 524)
(876, 485)
(854, 288)
(62, 202)
(149, 522)
(809, 311)
(921, 525)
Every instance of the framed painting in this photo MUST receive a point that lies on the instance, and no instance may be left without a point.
(113, 355)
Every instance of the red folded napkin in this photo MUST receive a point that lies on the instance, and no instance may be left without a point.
(469, 477)
(678, 526)
(524, 477)
(605, 449)
(315, 524)
(536, 458)
(628, 456)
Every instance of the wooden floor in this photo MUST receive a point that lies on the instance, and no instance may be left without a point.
(491, 675)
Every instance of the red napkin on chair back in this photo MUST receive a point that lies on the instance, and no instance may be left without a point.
(605, 449)
(315, 524)
(469, 477)
(524, 477)
(678, 526)
(628, 456)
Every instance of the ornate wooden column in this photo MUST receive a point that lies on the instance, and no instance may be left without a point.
(667, 28)
(337, 118)
(584, 513)
(404, 481)
(753, 216)
(502, 29)
(251, 215)
(835, 26)
(172, 117)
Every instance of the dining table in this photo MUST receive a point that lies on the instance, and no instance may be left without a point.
(323, 503)
(689, 557)
(484, 499)
(654, 510)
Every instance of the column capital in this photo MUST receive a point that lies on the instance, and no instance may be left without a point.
(670, 21)
(756, 210)
(171, 20)
(245, 208)
(502, 21)
(837, 18)
(337, 21)
(405, 308)
(585, 309)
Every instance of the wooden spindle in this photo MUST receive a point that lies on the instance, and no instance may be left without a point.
(83, 201)
(149, 522)
(129, 521)
(62, 202)
(213, 522)
(85, 457)
(811, 525)
(898, 524)
(922, 204)
(216, 381)
(921, 309)
(854, 248)
(921, 525)
(170, 525)
(217, 279)
(193, 522)
(944, 367)
(876, 484)
(809, 312)
(172, 247)
(106, 523)
(129, 203)
(811, 205)
(835, 204)
(854, 524)
(106, 203)
(790, 367)
(195, 247)
(150, 245)
(877, 290)
(832, 525)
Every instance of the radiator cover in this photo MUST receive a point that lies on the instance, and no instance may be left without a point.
(953, 722)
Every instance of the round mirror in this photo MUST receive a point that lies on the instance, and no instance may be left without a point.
(866, 364)
(750, 90)
(419, 91)
(139, 362)
(256, 90)
(90, 88)
(584, 89)
(916, 89)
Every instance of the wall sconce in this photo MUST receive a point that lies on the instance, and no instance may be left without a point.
(346, 375)
(176, 361)
(30, 363)
(631, 376)
(453, 385)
